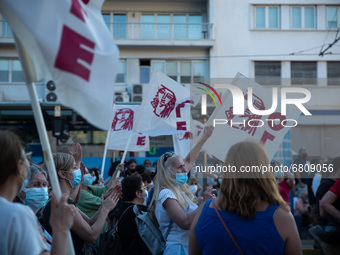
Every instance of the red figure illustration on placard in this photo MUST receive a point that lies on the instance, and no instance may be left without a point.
(163, 102)
(123, 120)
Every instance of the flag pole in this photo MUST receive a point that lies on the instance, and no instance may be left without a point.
(30, 76)
(126, 149)
(108, 136)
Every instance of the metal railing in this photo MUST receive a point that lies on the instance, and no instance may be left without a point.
(138, 30)
(161, 31)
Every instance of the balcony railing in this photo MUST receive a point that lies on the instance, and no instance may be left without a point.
(157, 31)
(161, 31)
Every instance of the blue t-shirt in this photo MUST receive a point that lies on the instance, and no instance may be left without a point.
(253, 236)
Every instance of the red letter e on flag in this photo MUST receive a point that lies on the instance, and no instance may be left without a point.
(70, 51)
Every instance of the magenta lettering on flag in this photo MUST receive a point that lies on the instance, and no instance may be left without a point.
(122, 126)
(165, 109)
(231, 128)
(74, 46)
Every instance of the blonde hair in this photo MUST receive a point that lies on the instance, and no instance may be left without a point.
(240, 193)
(62, 161)
(164, 180)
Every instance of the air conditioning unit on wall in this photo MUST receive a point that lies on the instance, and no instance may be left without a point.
(137, 92)
(50, 92)
(122, 97)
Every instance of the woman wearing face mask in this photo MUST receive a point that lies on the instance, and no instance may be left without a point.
(134, 193)
(194, 187)
(19, 227)
(35, 195)
(172, 201)
(85, 230)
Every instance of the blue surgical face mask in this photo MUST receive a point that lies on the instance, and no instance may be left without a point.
(181, 178)
(76, 178)
(36, 198)
(88, 179)
(220, 181)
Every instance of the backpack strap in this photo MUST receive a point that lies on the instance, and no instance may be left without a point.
(226, 227)
(122, 216)
(168, 231)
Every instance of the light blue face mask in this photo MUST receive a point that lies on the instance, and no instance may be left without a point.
(88, 179)
(181, 178)
(76, 178)
(36, 198)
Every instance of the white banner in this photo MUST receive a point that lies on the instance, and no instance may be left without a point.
(165, 109)
(71, 39)
(231, 128)
(183, 142)
(122, 125)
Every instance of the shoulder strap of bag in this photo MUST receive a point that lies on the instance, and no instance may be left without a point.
(168, 231)
(226, 227)
(122, 215)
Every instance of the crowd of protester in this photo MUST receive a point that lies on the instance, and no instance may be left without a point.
(260, 213)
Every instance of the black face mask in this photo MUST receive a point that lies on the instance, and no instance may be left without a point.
(132, 171)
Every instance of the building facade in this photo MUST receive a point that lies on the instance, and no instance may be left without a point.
(277, 43)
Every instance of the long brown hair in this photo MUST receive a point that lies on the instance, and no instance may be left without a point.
(240, 193)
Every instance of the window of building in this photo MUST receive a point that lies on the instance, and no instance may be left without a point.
(332, 17)
(11, 71)
(177, 26)
(303, 73)
(6, 30)
(88, 137)
(267, 16)
(148, 26)
(268, 72)
(181, 71)
(17, 73)
(163, 26)
(144, 73)
(121, 75)
(303, 17)
(333, 73)
(116, 23)
(119, 25)
(4, 70)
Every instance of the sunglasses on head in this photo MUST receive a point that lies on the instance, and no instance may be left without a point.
(167, 155)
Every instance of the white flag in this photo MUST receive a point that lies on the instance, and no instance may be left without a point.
(165, 109)
(72, 40)
(231, 128)
(122, 125)
(183, 142)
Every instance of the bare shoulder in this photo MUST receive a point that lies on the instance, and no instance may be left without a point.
(285, 223)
